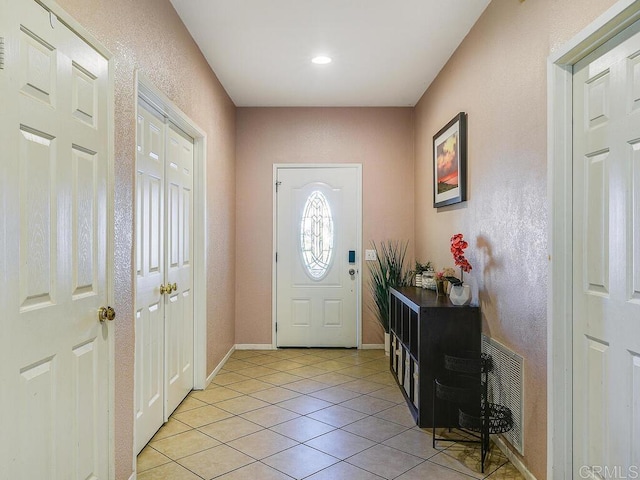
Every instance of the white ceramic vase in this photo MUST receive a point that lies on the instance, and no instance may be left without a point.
(460, 294)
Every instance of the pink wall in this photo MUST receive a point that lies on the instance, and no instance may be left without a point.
(498, 76)
(147, 34)
(381, 139)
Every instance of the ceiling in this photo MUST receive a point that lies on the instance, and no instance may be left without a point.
(385, 52)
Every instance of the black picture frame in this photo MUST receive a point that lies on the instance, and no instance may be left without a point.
(450, 162)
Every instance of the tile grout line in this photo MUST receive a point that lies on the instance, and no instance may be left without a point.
(310, 395)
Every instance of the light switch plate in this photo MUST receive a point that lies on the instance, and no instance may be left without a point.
(370, 255)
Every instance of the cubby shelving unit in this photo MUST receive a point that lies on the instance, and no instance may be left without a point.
(423, 328)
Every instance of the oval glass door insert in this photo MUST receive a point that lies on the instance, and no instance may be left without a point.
(316, 235)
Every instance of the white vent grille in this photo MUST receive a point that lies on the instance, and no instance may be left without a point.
(506, 382)
(1, 53)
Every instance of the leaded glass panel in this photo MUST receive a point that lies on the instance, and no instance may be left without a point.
(316, 235)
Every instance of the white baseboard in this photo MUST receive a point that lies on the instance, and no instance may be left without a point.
(219, 367)
(513, 458)
(133, 476)
(372, 346)
(254, 346)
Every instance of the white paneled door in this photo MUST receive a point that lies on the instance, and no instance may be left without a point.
(150, 273)
(318, 222)
(606, 231)
(55, 352)
(164, 298)
(179, 268)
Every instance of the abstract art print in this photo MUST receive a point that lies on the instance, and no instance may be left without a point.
(450, 162)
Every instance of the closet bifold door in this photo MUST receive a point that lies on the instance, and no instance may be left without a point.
(150, 274)
(164, 274)
(178, 271)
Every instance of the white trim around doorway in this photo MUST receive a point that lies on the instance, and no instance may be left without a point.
(559, 190)
(358, 167)
(146, 90)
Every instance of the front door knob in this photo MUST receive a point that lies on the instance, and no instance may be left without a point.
(352, 271)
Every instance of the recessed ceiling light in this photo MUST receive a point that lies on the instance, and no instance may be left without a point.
(321, 60)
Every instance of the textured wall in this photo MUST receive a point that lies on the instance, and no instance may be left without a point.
(381, 139)
(147, 34)
(498, 76)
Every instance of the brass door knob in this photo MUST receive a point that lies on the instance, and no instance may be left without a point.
(106, 313)
(168, 288)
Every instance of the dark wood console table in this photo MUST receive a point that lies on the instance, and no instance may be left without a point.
(423, 328)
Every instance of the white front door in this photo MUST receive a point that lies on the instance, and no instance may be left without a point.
(164, 298)
(606, 232)
(318, 255)
(55, 353)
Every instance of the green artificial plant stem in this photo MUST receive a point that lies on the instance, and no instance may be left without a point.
(387, 271)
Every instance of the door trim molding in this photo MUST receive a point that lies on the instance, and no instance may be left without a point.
(146, 90)
(274, 292)
(560, 204)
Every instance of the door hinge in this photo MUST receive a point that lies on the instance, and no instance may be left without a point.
(276, 327)
(278, 183)
(1, 53)
(276, 257)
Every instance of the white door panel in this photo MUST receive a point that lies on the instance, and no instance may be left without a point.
(317, 226)
(179, 318)
(55, 352)
(164, 321)
(150, 271)
(606, 249)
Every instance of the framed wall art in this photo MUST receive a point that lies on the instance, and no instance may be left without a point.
(450, 162)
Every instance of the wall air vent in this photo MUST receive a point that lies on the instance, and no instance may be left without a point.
(1, 53)
(506, 382)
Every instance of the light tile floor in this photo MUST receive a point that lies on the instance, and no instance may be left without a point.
(306, 413)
